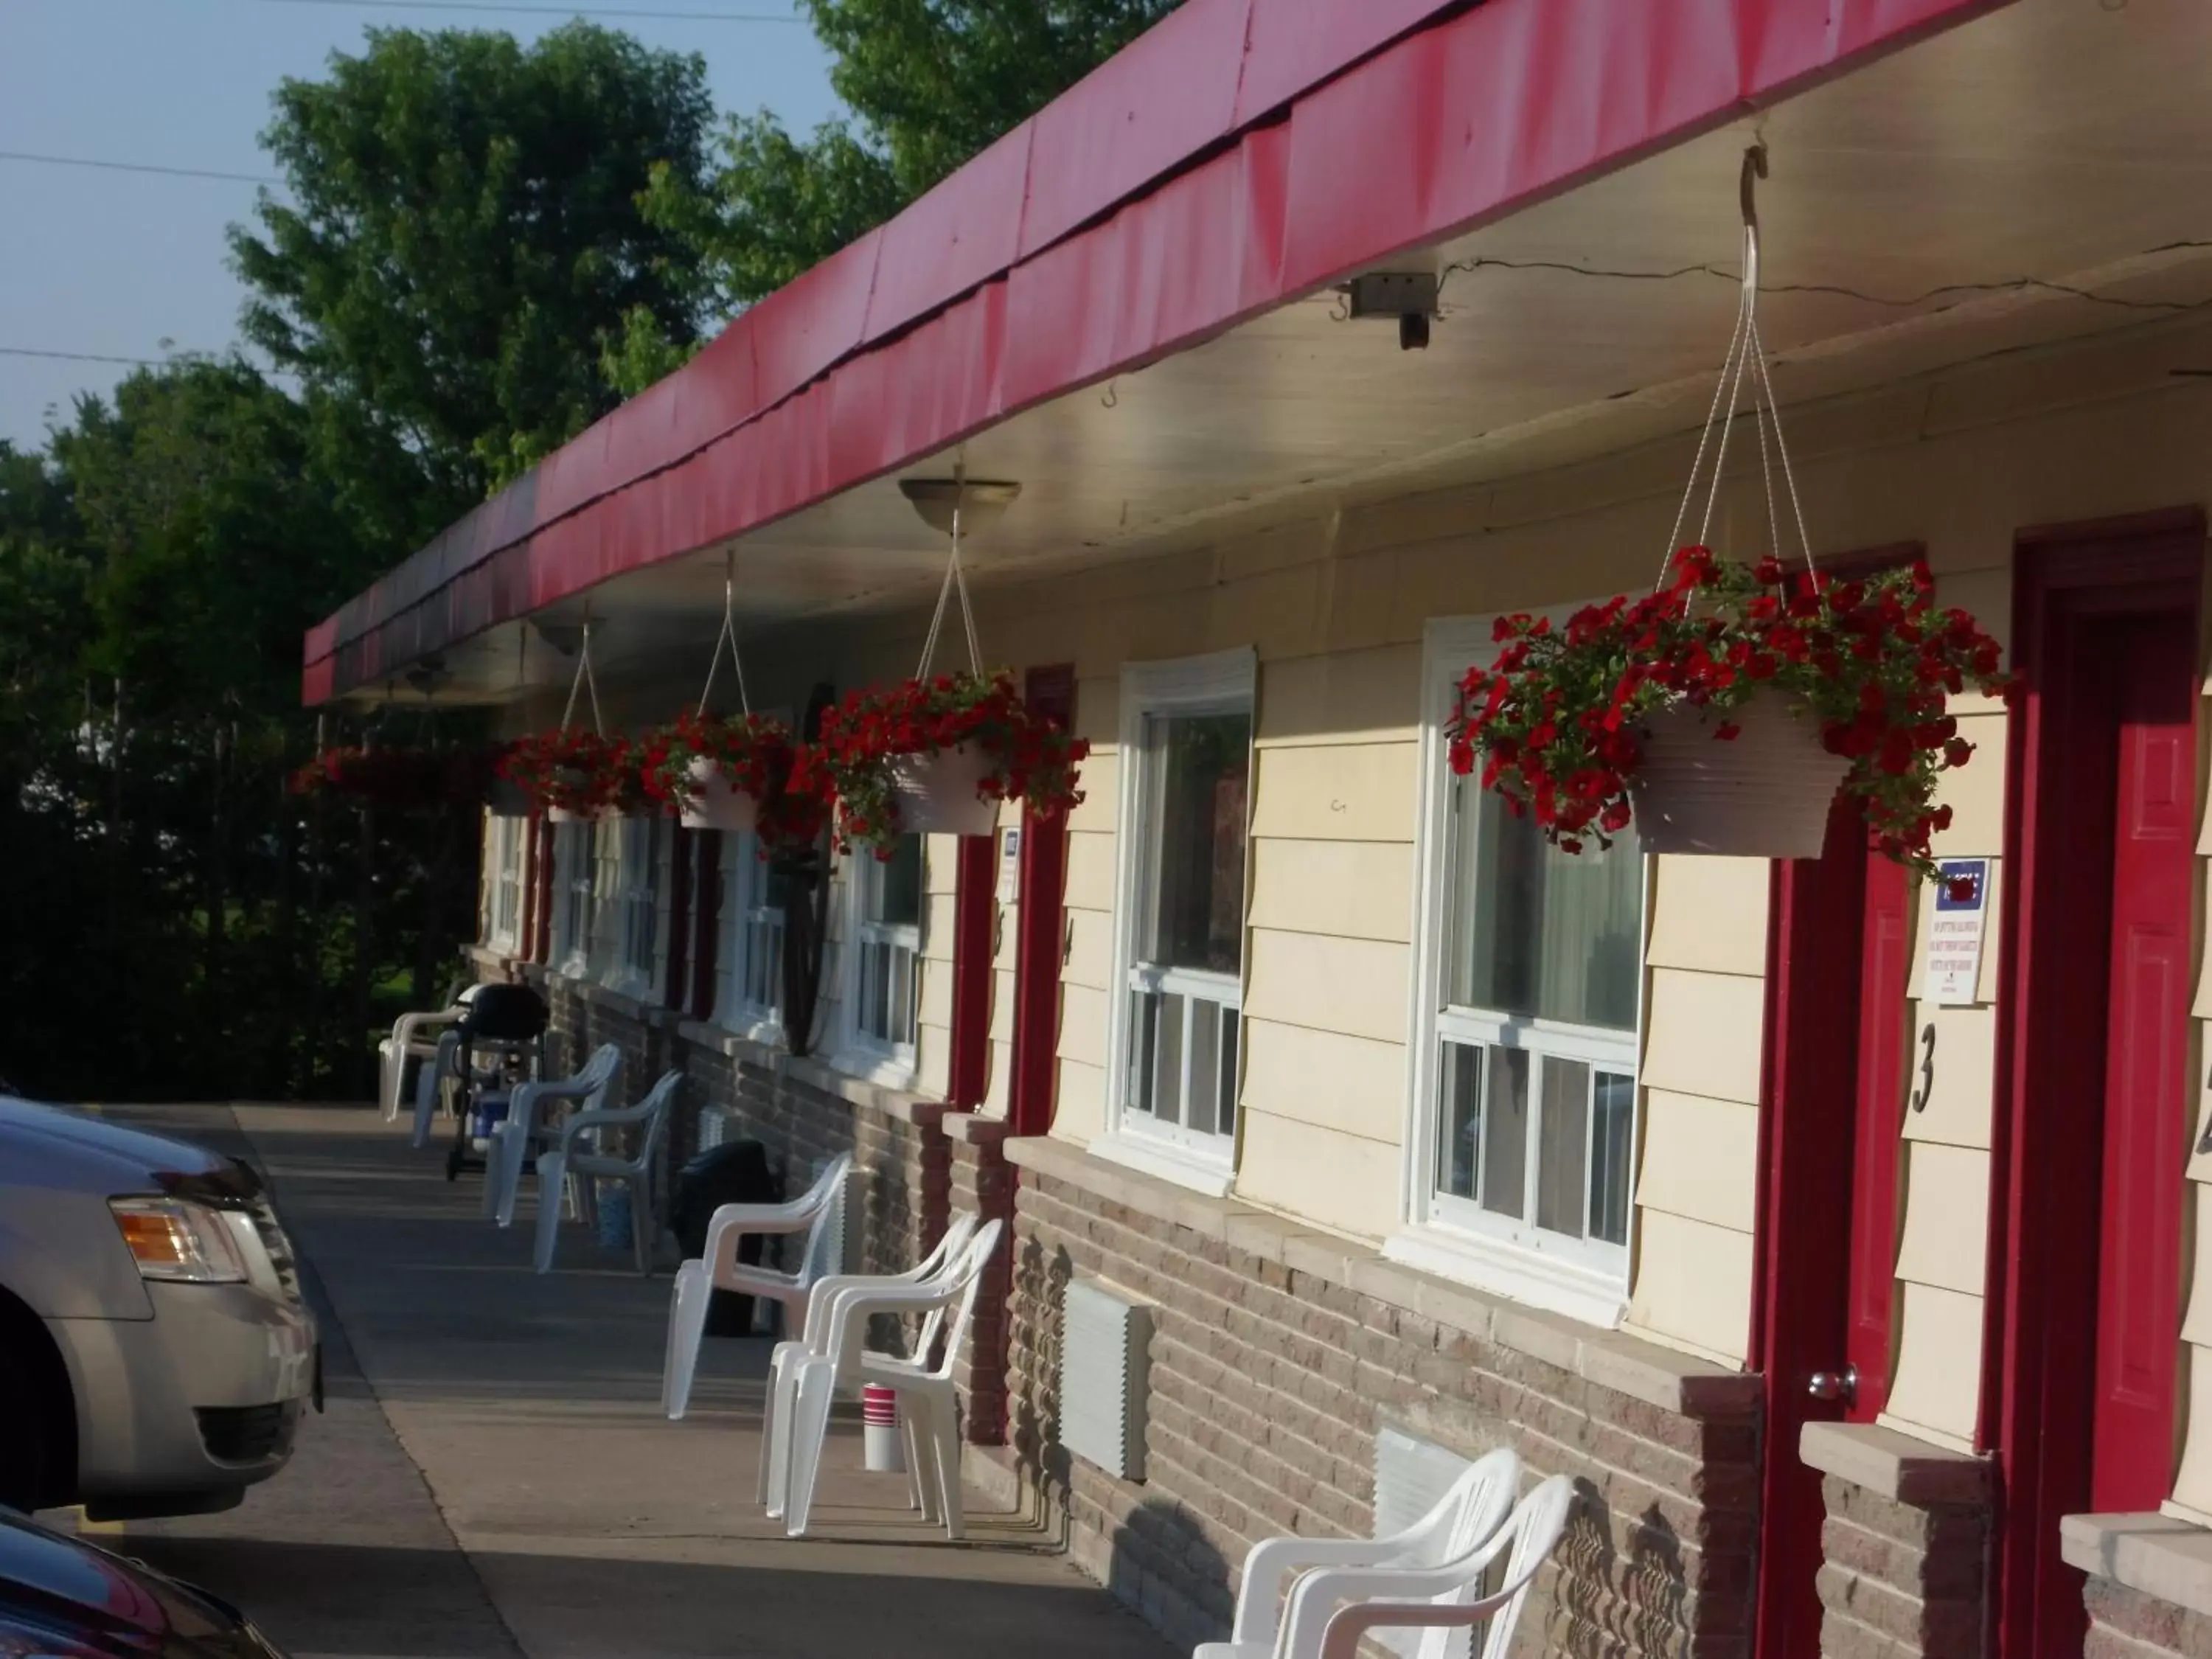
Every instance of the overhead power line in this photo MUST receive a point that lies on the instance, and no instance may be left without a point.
(136, 166)
(80, 356)
(548, 11)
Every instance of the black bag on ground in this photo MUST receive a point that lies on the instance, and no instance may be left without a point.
(735, 1172)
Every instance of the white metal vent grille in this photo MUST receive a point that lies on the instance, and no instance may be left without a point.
(1104, 1353)
(1410, 1475)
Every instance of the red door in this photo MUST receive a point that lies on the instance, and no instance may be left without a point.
(1039, 944)
(1884, 958)
(2146, 1075)
(1833, 1103)
(2091, 1130)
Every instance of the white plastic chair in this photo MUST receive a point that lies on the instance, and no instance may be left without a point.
(596, 1161)
(515, 1141)
(776, 1409)
(927, 1395)
(814, 1212)
(1465, 1518)
(1331, 1609)
(414, 1041)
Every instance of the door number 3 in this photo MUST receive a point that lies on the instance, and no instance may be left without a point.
(1926, 1067)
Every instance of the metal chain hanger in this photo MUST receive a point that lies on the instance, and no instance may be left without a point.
(955, 578)
(1747, 356)
(729, 633)
(584, 679)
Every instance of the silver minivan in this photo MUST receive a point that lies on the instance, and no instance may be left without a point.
(155, 1352)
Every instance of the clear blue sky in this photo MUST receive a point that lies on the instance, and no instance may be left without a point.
(112, 263)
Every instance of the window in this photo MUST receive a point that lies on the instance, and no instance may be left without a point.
(602, 937)
(749, 967)
(640, 851)
(1177, 1022)
(886, 953)
(1526, 1040)
(505, 841)
(573, 871)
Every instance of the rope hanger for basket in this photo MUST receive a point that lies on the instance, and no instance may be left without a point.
(955, 578)
(729, 633)
(1747, 353)
(583, 679)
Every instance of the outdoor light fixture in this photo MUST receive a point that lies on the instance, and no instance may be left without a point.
(1408, 295)
(980, 502)
(565, 637)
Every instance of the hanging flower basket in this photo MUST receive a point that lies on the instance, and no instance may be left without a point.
(936, 756)
(1721, 713)
(401, 777)
(718, 773)
(1764, 794)
(574, 775)
(942, 794)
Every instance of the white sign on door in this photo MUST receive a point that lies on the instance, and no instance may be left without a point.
(1010, 864)
(1955, 930)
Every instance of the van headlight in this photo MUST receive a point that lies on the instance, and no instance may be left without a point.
(173, 1238)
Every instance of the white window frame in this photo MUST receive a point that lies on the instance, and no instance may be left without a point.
(893, 1064)
(507, 841)
(573, 868)
(1585, 1278)
(602, 948)
(1222, 682)
(641, 861)
(751, 959)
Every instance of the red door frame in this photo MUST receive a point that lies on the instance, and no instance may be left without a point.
(1821, 1089)
(1807, 1131)
(2037, 1373)
(536, 946)
(1039, 946)
(706, 920)
(968, 1073)
(680, 898)
(1885, 961)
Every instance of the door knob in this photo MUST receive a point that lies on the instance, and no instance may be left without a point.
(1841, 1386)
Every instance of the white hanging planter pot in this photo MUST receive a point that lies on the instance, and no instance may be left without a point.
(716, 804)
(562, 815)
(935, 794)
(1765, 794)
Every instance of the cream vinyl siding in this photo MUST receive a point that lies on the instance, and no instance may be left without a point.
(1704, 1002)
(940, 872)
(1328, 951)
(2192, 1484)
(1007, 920)
(1942, 1275)
(1087, 923)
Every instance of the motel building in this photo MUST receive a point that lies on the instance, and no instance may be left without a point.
(1850, 1252)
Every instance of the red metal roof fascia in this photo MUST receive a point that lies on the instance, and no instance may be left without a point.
(1133, 119)
(1467, 121)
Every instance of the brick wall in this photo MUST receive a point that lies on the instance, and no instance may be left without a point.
(803, 1113)
(983, 1185)
(2126, 1624)
(1900, 1579)
(1271, 1372)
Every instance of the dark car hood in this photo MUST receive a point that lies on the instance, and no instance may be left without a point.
(65, 1597)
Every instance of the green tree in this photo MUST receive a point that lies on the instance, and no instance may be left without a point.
(463, 243)
(930, 83)
(186, 928)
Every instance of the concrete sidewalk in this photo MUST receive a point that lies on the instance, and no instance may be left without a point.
(494, 1475)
